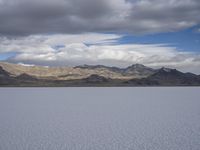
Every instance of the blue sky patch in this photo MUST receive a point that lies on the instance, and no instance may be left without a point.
(186, 40)
(5, 56)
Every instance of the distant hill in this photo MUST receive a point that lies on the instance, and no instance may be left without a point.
(136, 70)
(139, 70)
(78, 72)
(88, 75)
(167, 77)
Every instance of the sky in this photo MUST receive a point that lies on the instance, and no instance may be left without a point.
(119, 33)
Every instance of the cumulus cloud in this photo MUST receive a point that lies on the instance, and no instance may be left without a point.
(65, 50)
(26, 17)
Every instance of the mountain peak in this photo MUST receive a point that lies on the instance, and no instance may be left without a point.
(167, 69)
(137, 66)
(166, 72)
(139, 69)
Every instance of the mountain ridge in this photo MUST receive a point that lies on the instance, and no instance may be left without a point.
(94, 75)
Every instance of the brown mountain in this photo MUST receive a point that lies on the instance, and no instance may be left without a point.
(86, 75)
(78, 72)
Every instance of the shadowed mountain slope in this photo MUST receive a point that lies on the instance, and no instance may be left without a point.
(99, 75)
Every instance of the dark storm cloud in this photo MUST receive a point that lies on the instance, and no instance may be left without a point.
(25, 17)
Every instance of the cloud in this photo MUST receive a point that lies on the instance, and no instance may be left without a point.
(65, 50)
(198, 30)
(26, 17)
(73, 32)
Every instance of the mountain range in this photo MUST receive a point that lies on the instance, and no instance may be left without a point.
(17, 75)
